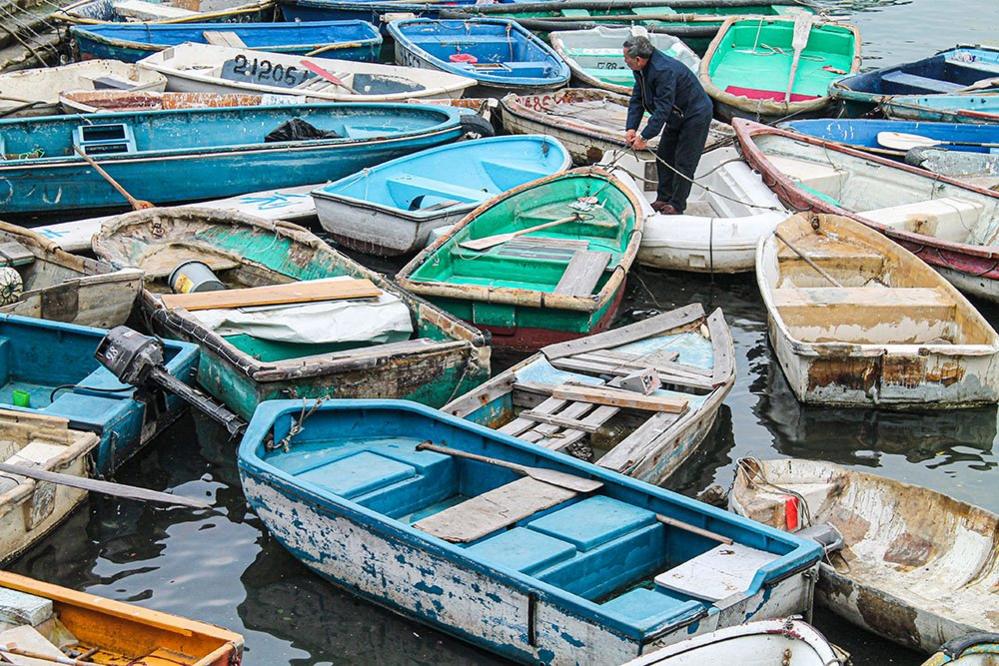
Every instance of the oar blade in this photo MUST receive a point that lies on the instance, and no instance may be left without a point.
(903, 141)
(563, 480)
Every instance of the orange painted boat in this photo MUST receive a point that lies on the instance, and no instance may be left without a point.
(103, 631)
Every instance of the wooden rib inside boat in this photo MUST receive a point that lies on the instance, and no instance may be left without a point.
(917, 567)
(558, 398)
(856, 320)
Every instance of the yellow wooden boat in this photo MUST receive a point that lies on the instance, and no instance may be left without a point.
(97, 630)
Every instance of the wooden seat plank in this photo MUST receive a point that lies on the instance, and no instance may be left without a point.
(223, 38)
(724, 570)
(520, 425)
(583, 273)
(493, 510)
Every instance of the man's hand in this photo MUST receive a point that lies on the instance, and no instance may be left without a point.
(629, 136)
(638, 143)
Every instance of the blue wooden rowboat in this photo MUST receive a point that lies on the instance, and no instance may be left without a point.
(391, 208)
(943, 73)
(131, 42)
(499, 54)
(973, 109)
(222, 152)
(536, 572)
(862, 134)
(49, 368)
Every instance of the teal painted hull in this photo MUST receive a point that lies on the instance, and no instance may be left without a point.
(221, 152)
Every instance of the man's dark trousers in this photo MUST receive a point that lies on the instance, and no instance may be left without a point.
(680, 146)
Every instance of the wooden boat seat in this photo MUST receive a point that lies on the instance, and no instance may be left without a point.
(821, 177)
(13, 253)
(948, 218)
(223, 38)
(558, 424)
(719, 573)
(408, 186)
(582, 273)
(919, 84)
(862, 306)
(493, 510)
(149, 11)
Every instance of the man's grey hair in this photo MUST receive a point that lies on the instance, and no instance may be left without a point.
(639, 46)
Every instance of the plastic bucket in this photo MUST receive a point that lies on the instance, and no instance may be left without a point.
(193, 276)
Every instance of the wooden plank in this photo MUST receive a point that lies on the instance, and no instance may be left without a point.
(572, 411)
(493, 510)
(574, 364)
(618, 398)
(633, 448)
(223, 38)
(639, 363)
(293, 292)
(721, 347)
(583, 273)
(482, 396)
(621, 336)
(561, 421)
(519, 425)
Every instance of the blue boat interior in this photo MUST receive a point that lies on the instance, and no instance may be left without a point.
(864, 133)
(49, 368)
(264, 36)
(52, 138)
(609, 547)
(952, 103)
(486, 50)
(945, 72)
(459, 175)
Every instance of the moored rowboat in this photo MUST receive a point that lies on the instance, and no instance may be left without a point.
(498, 54)
(542, 263)
(950, 225)
(111, 101)
(391, 208)
(691, 354)
(863, 134)
(96, 12)
(221, 69)
(872, 325)
(917, 566)
(380, 341)
(971, 109)
(101, 630)
(35, 92)
(597, 570)
(771, 67)
(588, 121)
(596, 58)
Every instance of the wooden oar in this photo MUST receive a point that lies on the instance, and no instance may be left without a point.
(324, 49)
(693, 529)
(68, 661)
(808, 260)
(103, 487)
(499, 239)
(136, 204)
(903, 141)
(802, 28)
(550, 476)
(981, 84)
(329, 76)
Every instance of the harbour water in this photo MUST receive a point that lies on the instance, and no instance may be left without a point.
(221, 566)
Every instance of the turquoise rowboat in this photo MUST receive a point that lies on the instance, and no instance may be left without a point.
(543, 263)
(385, 343)
(49, 368)
(753, 70)
(222, 152)
(691, 354)
(597, 570)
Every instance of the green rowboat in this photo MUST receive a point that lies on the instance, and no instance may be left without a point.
(694, 21)
(747, 70)
(394, 345)
(561, 278)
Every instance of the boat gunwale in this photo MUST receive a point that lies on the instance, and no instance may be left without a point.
(762, 107)
(787, 190)
(66, 15)
(531, 298)
(802, 556)
(512, 104)
(871, 349)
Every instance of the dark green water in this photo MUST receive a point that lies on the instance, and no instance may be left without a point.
(223, 568)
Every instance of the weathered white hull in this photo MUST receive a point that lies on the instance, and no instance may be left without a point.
(104, 301)
(905, 363)
(476, 604)
(372, 229)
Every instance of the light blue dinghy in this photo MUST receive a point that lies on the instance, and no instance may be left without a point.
(499, 54)
(219, 152)
(863, 134)
(391, 208)
(529, 553)
(978, 109)
(48, 368)
(131, 42)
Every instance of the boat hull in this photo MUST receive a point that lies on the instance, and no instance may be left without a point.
(94, 12)
(377, 232)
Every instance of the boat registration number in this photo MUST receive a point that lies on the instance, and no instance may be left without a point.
(263, 71)
(608, 65)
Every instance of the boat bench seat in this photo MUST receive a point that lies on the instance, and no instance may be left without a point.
(408, 186)
(719, 573)
(918, 84)
(821, 177)
(947, 218)
(862, 306)
(651, 607)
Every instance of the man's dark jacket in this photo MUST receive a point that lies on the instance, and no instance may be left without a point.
(665, 86)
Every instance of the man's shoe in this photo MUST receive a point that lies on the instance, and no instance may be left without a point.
(664, 208)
